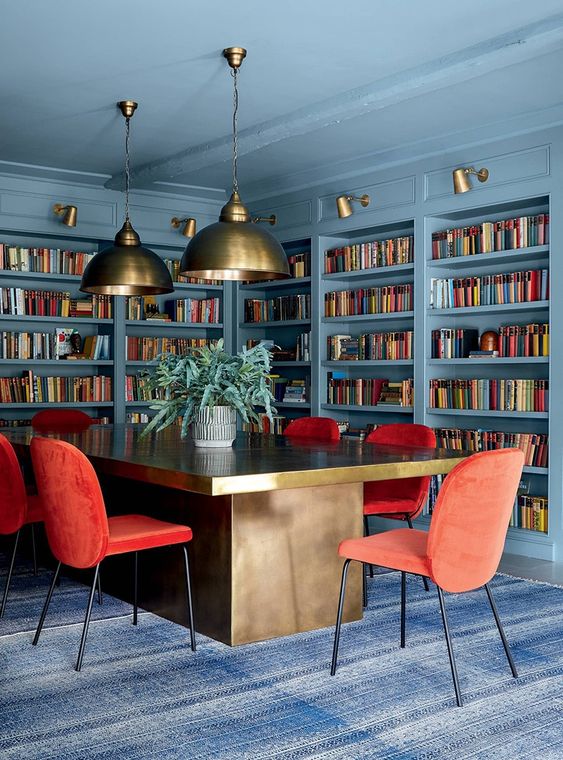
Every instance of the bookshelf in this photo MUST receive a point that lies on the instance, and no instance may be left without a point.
(353, 251)
(490, 317)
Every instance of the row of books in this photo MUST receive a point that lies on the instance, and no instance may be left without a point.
(33, 389)
(21, 345)
(94, 347)
(370, 255)
(26, 422)
(452, 343)
(491, 289)
(531, 513)
(43, 260)
(524, 340)
(300, 264)
(398, 392)
(504, 235)
(139, 418)
(521, 395)
(137, 389)
(303, 347)
(53, 303)
(371, 346)
(275, 427)
(149, 349)
(534, 445)
(353, 391)
(173, 266)
(203, 310)
(385, 300)
(278, 309)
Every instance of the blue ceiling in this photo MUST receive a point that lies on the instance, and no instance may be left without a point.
(323, 82)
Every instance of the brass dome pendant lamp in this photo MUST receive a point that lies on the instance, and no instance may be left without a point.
(234, 248)
(126, 268)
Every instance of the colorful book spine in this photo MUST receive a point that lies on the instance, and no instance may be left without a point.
(385, 300)
(173, 266)
(452, 343)
(387, 346)
(370, 255)
(488, 237)
(149, 349)
(489, 290)
(300, 264)
(30, 389)
(531, 513)
(534, 445)
(519, 395)
(203, 311)
(17, 258)
(278, 309)
(524, 340)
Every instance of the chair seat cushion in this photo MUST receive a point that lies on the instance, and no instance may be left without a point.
(34, 512)
(398, 505)
(402, 549)
(132, 533)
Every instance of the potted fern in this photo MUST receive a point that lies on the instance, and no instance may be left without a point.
(207, 388)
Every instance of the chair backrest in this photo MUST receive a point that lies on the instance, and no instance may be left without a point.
(61, 420)
(313, 428)
(471, 518)
(401, 434)
(75, 515)
(13, 499)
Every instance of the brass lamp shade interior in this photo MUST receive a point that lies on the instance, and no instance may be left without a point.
(462, 181)
(344, 204)
(126, 269)
(234, 249)
(69, 214)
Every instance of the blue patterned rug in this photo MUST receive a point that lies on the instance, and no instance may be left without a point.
(143, 694)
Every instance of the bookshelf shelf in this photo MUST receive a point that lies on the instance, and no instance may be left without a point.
(395, 269)
(503, 308)
(47, 276)
(140, 403)
(389, 316)
(529, 470)
(193, 286)
(395, 409)
(369, 363)
(489, 413)
(55, 320)
(160, 323)
(492, 360)
(482, 259)
(292, 282)
(279, 323)
(292, 404)
(56, 362)
(291, 364)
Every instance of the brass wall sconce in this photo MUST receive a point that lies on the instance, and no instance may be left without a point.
(344, 204)
(69, 214)
(272, 219)
(462, 183)
(189, 228)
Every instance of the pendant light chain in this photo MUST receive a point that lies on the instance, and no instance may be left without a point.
(234, 74)
(127, 130)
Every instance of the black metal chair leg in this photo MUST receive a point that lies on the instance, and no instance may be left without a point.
(409, 523)
(366, 533)
(46, 605)
(501, 631)
(339, 616)
(9, 577)
(189, 595)
(135, 585)
(450, 647)
(33, 550)
(403, 607)
(100, 595)
(87, 620)
(364, 586)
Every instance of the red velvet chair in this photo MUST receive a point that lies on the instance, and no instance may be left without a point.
(461, 551)
(401, 499)
(313, 428)
(61, 421)
(17, 507)
(79, 532)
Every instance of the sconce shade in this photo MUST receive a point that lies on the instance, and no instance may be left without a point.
(343, 206)
(126, 269)
(69, 214)
(461, 178)
(234, 249)
(189, 228)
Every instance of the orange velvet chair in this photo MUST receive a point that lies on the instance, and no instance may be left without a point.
(401, 499)
(461, 551)
(60, 421)
(79, 532)
(17, 507)
(314, 428)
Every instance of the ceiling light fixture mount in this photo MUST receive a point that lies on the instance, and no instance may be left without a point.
(272, 219)
(69, 214)
(344, 204)
(126, 268)
(462, 183)
(234, 248)
(189, 228)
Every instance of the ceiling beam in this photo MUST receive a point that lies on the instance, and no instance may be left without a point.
(504, 50)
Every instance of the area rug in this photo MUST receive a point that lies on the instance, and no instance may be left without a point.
(142, 693)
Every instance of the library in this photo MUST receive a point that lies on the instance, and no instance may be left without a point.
(281, 453)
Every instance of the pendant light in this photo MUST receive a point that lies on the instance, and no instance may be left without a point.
(126, 268)
(234, 248)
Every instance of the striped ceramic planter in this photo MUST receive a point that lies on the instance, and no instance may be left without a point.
(215, 428)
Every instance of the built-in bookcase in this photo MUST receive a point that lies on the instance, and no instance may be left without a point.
(379, 277)
(488, 317)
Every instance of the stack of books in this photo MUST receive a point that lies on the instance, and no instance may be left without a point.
(399, 393)
(295, 392)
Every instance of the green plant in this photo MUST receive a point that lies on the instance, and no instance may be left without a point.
(211, 377)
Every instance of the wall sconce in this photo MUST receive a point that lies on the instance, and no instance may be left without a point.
(189, 227)
(344, 205)
(462, 183)
(69, 214)
(272, 219)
